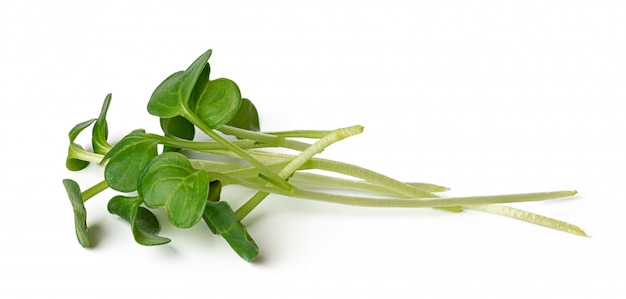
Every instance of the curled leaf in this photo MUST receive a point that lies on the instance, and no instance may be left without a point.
(100, 129)
(247, 117)
(71, 162)
(144, 224)
(80, 213)
(220, 217)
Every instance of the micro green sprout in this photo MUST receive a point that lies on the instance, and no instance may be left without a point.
(190, 189)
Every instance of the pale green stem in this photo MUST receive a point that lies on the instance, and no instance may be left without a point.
(324, 181)
(347, 169)
(315, 134)
(240, 152)
(93, 190)
(277, 141)
(297, 162)
(84, 155)
(204, 146)
(396, 201)
(529, 217)
(429, 202)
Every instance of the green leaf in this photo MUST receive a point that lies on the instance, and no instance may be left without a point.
(127, 159)
(246, 117)
(178, 127)
(80, 213)
(144, 224)
(100, 129)
(72, 163)
(170, 98)
(169, 181)
(221, 219)
(215, 102)
(166, 100)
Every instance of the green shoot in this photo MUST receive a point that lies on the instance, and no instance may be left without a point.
(191, 189)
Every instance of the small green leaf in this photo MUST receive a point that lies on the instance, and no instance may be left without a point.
(100, 129)
(169, 181)
(215, 102)
(221, 219)
(166, 100)
(246, 117)
(144, 224)
(127, 159)
(170, 98)
(178, 127)
(70, 162)
(80, 213)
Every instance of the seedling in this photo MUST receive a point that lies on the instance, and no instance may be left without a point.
(189, 189)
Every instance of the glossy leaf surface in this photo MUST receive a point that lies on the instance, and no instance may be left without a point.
(222, 220)
(127, 159)
(169, 181)
(144, 224)
(80, 214)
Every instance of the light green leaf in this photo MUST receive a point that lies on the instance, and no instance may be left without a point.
(169, 181)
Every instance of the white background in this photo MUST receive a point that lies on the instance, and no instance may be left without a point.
(485, 97)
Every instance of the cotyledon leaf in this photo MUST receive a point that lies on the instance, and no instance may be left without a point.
(127, 159)
(144, 224)
(170, 182)
(220, 217)
(215, 102)
(170, 98)
(80, 214)
(247, 117)
(100, 129)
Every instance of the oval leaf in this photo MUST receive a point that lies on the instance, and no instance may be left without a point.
(221, 219)
(215, 102)
(127, 159)
(144, 224)
(80, 213)
(246, 118)
(166, 100)
(170, 98)
(169, 181)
